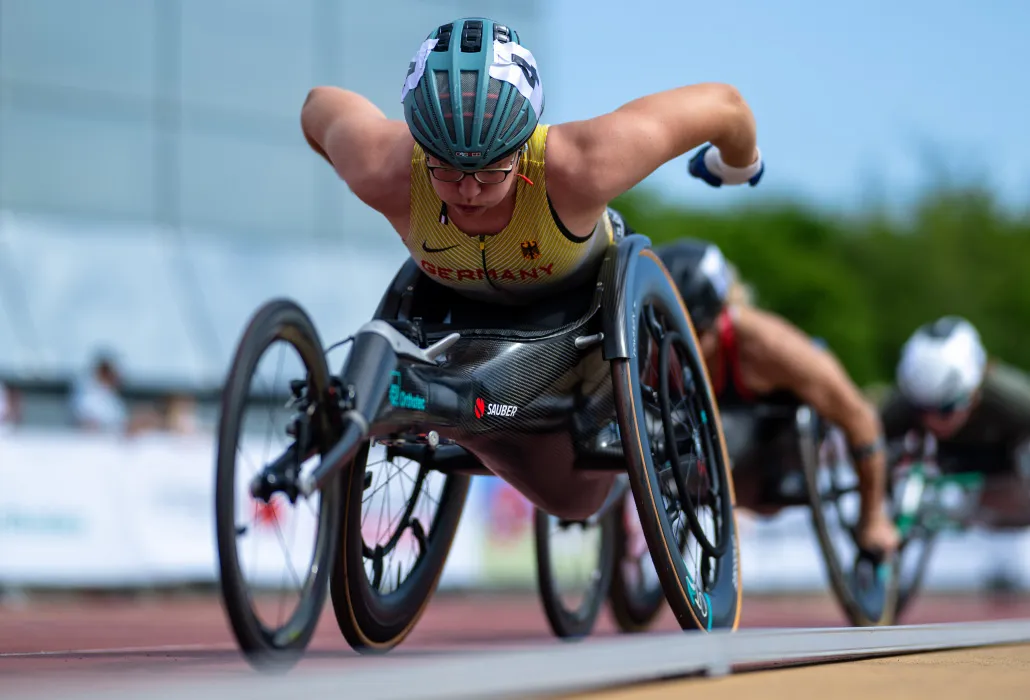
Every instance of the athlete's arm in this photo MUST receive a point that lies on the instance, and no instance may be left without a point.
(369, 152)
(595, 160)
(791, 361)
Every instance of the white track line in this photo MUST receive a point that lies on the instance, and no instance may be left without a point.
(569, 667)
(117, 650)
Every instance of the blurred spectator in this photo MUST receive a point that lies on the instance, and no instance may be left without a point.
(97, 405)
(10, 407)
(180, 415)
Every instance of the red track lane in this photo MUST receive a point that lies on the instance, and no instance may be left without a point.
(100, 641)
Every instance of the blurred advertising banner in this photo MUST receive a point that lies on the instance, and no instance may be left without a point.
(81, 510)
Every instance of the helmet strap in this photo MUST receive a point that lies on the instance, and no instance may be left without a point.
(443, 213)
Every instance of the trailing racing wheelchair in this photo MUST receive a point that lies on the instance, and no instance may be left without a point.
(784, 453)
(607, 378)
(791, 457)
(938, 493)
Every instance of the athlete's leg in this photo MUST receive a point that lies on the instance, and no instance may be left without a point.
(555, 486)
(559, 489)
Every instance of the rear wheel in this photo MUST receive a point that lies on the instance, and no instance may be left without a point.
(399, 520)
(636, 597)
(914, 559)
(676, 457)
(574, 569)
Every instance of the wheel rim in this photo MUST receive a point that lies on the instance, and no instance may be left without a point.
(710, 580)
(275, 541)
(263, 569)
(574, 573)
(398, 511)
(637, 595)
(377, 604)
(868, 586)
(918, 521)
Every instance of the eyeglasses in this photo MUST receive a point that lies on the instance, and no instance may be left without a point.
(488, 176)
(948, 409)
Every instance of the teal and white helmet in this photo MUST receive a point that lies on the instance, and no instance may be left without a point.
(476, 68)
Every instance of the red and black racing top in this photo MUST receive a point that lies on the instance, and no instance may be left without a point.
(732, 392)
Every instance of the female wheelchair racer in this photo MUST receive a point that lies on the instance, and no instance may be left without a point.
(555, 396)
(609, 378)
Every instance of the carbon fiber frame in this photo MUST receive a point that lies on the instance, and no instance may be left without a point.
(521, 383)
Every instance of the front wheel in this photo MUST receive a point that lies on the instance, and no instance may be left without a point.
(676, 456)
(865, 585)
(254, 533)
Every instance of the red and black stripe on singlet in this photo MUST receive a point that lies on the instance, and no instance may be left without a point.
(734, 391)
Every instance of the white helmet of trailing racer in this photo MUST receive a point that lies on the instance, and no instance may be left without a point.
(942, 364)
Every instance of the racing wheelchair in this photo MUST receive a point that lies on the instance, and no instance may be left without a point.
(785, 455)
(936, 493)
(459, 388)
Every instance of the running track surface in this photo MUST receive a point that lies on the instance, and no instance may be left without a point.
(91, 640)
(96, 641)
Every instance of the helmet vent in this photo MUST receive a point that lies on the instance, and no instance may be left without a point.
(443, 89)
(493, 91)
(443, 38)
(522, 122)
(472, 36)
(468, 101)
(516, 106)
(420, 103)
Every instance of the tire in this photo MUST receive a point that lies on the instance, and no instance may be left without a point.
(910, 586)
(372, 622)
(634, 604)
(566, 623)
(697, 603)
(915, 518)
(865, 588)
(277, 320)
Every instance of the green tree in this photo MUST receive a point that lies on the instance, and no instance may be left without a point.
(865, 283)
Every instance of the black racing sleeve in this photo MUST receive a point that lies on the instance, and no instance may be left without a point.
(1007, 394)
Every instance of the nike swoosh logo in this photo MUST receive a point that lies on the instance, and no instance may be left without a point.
(436, 250)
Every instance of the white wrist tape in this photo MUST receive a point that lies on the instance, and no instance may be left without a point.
(728, 174)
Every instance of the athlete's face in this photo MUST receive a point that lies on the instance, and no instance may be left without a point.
(469, 196)
(944, 424)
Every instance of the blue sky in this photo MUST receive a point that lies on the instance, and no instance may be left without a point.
(854, 100)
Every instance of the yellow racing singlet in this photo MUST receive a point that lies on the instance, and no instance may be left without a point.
(532, 256)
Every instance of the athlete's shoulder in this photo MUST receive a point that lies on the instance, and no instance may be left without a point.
(1003, 373)
(1008, 383)
(536, 147)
